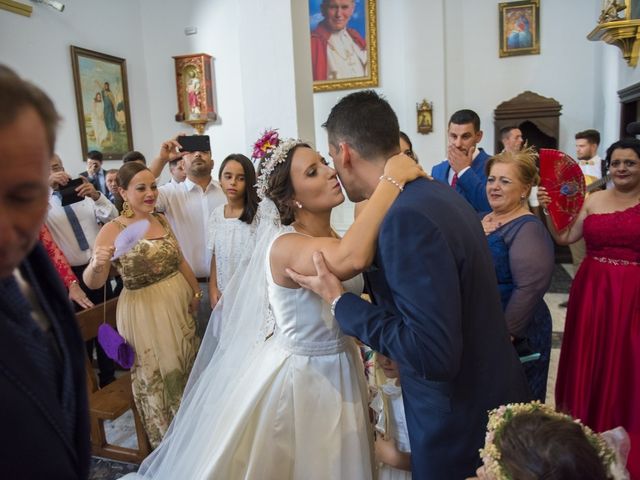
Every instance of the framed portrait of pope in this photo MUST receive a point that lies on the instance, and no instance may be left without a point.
(344, 47)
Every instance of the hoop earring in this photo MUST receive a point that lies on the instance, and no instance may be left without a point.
(126, 210)
(298, 204)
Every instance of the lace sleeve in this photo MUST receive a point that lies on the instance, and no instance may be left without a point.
(531, 264)
(57, 257)
(214, 224)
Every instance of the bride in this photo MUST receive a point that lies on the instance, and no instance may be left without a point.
(282, 395)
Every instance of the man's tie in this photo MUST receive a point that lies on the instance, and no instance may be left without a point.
(37, 344)
(454, 180)
(75, 225)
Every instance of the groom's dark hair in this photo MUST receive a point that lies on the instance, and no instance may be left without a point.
(366, 122)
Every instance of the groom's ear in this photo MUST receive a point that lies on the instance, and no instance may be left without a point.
(347, 155)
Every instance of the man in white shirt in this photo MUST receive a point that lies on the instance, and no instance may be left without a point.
(337, 51)
(176, 169)
(587, 143)
(511, 138)
(188, 206)
(74, 229)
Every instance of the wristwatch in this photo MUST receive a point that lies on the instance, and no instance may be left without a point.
(199, 294)
(333, 305)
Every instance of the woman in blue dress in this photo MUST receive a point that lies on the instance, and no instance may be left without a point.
(523, 257)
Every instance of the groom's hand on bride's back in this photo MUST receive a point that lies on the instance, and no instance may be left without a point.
(324, 283)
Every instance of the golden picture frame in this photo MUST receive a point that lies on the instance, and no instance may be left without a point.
(424, 117)
(519, 28)
(353, 67)
(194, 90)
(102, 101)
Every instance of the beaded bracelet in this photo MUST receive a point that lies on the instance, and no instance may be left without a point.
(392, 180)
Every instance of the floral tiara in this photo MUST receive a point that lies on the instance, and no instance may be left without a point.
(499, 417)
(270, 151)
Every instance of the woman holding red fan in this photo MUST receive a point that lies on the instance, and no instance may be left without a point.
(598, 376)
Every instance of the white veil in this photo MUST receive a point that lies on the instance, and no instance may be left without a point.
(246, 322)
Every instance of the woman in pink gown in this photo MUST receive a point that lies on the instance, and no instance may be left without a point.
(599, 372)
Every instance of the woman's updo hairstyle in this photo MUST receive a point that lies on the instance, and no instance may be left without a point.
(125, 174)
(279, 186)
(525, 162)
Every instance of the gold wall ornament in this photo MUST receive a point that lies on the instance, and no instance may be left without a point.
(16, 7)
(424, 117)
(624, 34)
(194, 89)
(621, 31)
(610, 10)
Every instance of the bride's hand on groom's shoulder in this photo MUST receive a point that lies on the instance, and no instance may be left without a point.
(324, 283)
(404, 169)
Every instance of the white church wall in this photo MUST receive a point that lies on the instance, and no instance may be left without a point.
(38, 49)
(565, 69)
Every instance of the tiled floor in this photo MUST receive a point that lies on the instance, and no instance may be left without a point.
(122, 432)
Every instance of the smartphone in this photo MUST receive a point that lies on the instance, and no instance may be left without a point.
(194, 143)
(69, 194)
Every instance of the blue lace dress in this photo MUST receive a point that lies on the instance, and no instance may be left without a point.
(522, 253)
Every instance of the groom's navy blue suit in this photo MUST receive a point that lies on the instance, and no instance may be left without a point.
(437, 313)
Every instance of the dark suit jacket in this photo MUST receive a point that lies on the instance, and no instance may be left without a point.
(472, 185)
(438, 314)
(44, 432)
(96, 182)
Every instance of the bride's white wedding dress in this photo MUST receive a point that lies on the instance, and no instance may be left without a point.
(296, 409)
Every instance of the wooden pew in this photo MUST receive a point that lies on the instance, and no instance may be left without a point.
(110, 402)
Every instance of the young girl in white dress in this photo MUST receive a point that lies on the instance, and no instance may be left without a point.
(232, 226)
(392, 437)
(282, 394)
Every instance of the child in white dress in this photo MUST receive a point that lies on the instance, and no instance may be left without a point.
(232, 226)
(392, 437)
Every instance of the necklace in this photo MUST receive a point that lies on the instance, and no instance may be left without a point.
(301, 229)
(500, 220)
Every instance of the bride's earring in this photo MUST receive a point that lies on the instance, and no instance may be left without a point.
(298, 204)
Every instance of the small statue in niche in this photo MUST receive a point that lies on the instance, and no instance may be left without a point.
(193, 94)
(424, 112)
(610, 11)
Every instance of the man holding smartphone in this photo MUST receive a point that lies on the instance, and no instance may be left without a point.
(95, 173)
(188, 206)
(72, 218)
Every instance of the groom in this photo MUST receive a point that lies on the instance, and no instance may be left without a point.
(437, 310)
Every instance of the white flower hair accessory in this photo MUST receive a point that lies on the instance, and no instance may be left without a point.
(500, 416)
(271, 151)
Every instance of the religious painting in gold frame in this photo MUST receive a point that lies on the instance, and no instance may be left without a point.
(102, 102)
(194, 90)
(344, 51)
(519, 28)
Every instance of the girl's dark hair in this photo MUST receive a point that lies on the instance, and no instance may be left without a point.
(409, 152)
(123, 178)
(632, 143)
(280, 188)
(535, 445)
(250, 195)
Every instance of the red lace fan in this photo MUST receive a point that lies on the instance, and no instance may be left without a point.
(561, 176)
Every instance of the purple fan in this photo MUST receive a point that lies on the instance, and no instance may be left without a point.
(128, 237)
